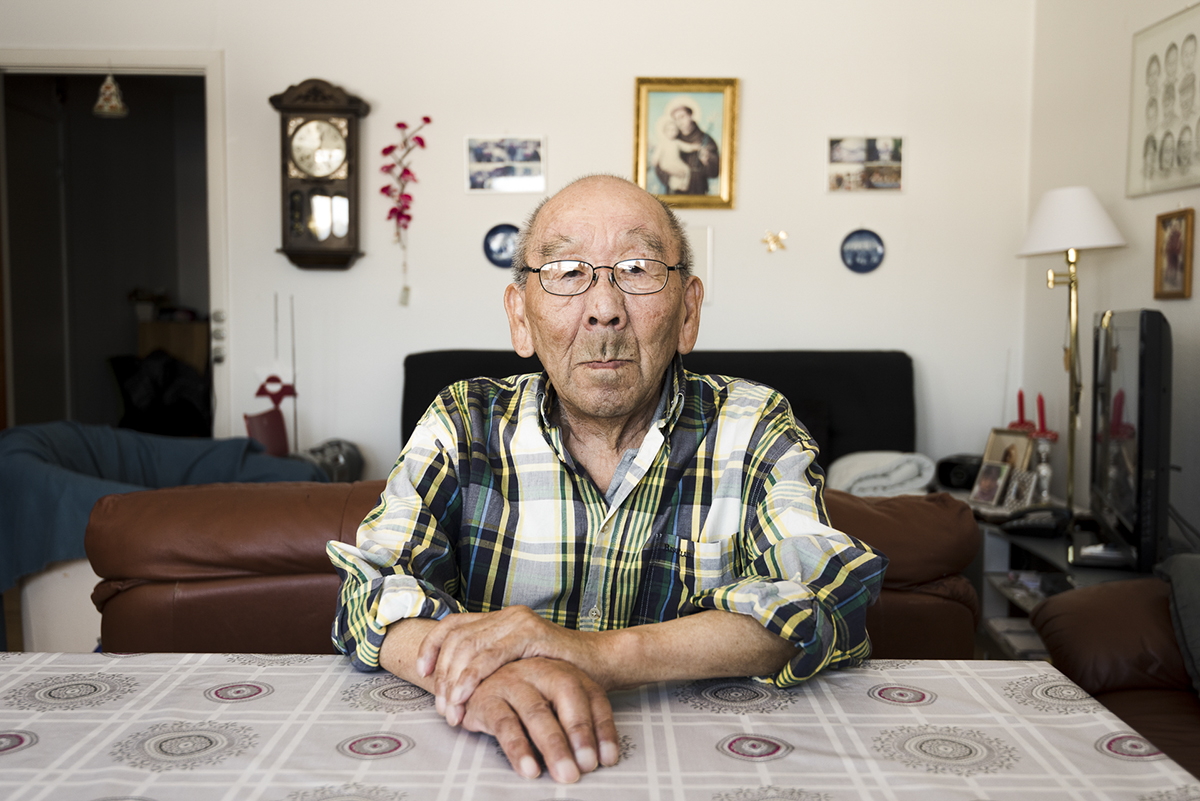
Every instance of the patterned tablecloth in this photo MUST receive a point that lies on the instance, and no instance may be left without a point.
(173, 727)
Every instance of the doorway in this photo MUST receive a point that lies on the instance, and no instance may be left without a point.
(107, 252)
(123, 63)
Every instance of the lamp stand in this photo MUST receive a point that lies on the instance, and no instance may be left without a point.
(1070, 278)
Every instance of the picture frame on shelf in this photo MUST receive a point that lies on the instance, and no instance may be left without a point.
(685, 140)
(1021, 486)
(1164, 107)
(1173, 240)
(505, 164)
(989, 484)
(1011, 446)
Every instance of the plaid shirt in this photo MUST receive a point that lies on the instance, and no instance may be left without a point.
(721, 508)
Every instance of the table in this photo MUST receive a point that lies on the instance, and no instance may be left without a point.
(309, 728)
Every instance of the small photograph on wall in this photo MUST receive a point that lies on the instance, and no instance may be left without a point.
(1164, 112)
(862, 163)
(686, 140)
(506, 164)
(1173, 234)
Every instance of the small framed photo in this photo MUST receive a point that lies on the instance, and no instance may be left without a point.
(1173, 254)
(1009, 446)
(686, 140)
(1021, 484)
(989, 484)
(865, 163)
(506, 164)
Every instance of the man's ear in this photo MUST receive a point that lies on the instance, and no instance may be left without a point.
(518, 326)
(693, 298)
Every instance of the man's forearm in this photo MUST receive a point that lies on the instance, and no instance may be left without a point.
(400, 646)
(708, 644)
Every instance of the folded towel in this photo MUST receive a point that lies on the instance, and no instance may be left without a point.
(881, 473)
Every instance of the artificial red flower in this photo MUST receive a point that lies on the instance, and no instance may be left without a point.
(426, 120)
(388, 190)
(402, 125)
(388, 167)
(407, 175)
(420, 142)
(387, 151)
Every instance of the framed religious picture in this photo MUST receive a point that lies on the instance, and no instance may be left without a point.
(1010, 446)
(1164, 145)
(685, 141)
(1173, 254)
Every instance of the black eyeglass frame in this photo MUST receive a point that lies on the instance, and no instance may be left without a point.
(596, 276)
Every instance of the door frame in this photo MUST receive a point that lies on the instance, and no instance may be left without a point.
(211, 65)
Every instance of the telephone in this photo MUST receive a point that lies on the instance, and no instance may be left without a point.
(1039, 521)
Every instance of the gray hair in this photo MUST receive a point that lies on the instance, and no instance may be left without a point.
(521, 250)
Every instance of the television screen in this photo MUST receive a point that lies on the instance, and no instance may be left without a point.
(1131, 424)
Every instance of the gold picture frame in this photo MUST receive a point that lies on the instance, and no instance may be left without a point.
(1011, 446)
(1173, 234)
(685, 140)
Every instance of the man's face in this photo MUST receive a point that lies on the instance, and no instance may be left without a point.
(606, 352)
(683, 118)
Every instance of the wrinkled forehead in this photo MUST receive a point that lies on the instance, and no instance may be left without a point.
(581, 219)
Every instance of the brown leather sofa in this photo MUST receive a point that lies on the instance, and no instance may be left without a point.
(1116, 641)
(242, 568)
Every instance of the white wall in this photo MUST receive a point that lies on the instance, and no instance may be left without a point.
(1082, 73)
(953, 78)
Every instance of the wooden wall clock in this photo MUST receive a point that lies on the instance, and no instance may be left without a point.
(318, 125)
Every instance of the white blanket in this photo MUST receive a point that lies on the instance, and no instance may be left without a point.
(881, 473)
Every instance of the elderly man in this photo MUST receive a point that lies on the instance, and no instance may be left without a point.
(613, 521)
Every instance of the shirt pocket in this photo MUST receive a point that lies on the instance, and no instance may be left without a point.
(701, 566)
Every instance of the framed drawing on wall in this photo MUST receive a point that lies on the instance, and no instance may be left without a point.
(685, 140)
(1173, 254)
(1163, 110)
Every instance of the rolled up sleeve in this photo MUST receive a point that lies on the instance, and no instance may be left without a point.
(403, 565)
(799, 577)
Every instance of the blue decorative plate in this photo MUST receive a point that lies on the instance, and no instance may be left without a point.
(499, 243)
(862, 250)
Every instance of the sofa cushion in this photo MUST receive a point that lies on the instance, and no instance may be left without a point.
(924, 537)
(1113, 636)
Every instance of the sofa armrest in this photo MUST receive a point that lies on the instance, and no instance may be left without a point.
(1114, 636)
(924, 537)
(216, 531)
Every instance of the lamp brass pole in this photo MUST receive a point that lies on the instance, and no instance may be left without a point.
(1071, 279)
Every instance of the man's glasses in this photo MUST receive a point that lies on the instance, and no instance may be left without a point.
(632, 276)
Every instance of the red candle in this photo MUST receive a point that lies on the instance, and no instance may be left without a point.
(1041, 413)
(1020, 405)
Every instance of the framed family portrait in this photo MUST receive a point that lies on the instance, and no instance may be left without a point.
(989, 484)
(1173, 254)
(1164, 143)
(685, 140)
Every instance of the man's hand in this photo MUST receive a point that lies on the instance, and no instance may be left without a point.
(462, 650)
(547, 705)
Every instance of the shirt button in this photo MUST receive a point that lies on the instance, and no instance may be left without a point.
(595, 613)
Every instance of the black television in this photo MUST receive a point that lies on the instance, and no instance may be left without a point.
(1131, 432)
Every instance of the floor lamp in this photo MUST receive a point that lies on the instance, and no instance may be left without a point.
(1068, 220)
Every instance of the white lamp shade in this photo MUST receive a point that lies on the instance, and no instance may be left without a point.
(1070, 217)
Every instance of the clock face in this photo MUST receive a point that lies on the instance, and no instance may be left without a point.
(318, 148)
